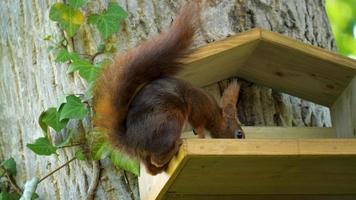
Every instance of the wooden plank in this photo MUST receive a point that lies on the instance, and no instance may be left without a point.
(257, 175)
(342, 62)
(344, 112)
(219, 60)
(261, 166)
(298, 69)
(257, 167)
(172, 196)
(270, 147)
(271, 132)
(275, 61)
(154, 187)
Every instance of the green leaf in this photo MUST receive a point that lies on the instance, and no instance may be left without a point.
(9, 196)
(63, 56)
(123, 161)
(35, 196)
(99, 148)
(79, 155)
(86, 70)
(73, 109)
(79, 64)
(42, 122)
(42, 146)
(10, 166)
(51, 118)
(94, 19)
(56, 11)
(68, 17)
(89, 74)
(67, 139)
(100, 151)
(108, 22)
(76, 3)
(72, 68)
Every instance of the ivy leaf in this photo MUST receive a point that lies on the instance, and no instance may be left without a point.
(9, 196)
(67, 139)
(73, 109)
(64, 56)
(79, 155)
(68, 17)
(42, 146)
(90, 74)
(76, 3)
(51, 118)
(42, 122)
(55, 13)
(73, 67)
(10, 166)
(86, 70)
(108, 22)
(35, 196)
(123, 161)
(99, 148)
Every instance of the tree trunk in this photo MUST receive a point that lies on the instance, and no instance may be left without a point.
(30, 81)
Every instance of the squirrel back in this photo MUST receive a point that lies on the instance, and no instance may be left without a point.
(153, 59)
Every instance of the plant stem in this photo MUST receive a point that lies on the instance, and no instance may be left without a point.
(13, 184)
(72, 41)
(54, 171)
(128, 186)
(95, 55)
(95, 180)
(71, 145)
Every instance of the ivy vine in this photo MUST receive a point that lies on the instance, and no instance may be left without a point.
(76, 108)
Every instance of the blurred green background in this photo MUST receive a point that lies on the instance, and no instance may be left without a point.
(342, 15)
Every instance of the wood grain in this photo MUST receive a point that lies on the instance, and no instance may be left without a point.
(305, 167)
(154, 187)
(344, 112)
(173, 196)
(268, 132)
(273, 60)
(219, 60)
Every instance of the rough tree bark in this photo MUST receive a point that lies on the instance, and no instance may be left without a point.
(30, 81)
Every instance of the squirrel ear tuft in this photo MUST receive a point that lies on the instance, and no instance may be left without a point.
(231, 94)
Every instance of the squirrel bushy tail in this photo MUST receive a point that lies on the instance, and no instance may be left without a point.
(153, 59)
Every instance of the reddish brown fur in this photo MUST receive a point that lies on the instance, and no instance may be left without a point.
(148, 123)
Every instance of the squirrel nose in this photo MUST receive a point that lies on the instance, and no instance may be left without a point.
(239, 134)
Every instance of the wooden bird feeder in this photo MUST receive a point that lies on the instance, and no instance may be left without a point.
(272, 162)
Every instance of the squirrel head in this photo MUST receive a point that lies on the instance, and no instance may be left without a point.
(229, 111)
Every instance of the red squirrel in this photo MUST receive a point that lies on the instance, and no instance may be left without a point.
(142, 107)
